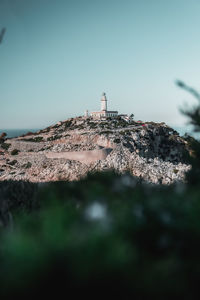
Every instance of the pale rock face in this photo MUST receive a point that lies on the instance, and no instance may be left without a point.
(72, 148)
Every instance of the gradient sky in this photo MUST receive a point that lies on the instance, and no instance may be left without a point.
(58, 56)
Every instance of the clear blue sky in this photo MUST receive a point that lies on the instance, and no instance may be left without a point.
(58, 56)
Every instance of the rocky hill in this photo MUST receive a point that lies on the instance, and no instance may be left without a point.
(72, 148)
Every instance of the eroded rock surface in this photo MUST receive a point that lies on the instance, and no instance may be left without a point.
(72, 148)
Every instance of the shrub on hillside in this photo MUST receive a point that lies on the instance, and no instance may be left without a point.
(68, 124)
(5, 146)
(54, 137)
(14, 152)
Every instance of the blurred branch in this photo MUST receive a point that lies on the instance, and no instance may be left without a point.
(3, 30)
(192, 113)
(188, 89)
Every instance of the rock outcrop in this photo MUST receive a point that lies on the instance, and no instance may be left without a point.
(72, 148)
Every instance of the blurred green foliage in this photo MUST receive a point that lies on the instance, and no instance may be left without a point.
(105, 231)
(193, 115)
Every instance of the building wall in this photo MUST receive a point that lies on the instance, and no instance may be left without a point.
(100, 114)
(111, 113)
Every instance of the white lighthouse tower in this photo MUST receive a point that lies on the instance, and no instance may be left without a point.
(104, 113)
(104, 102)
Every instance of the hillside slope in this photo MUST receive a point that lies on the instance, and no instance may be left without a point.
(72, 148)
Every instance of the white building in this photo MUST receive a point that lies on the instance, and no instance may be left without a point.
(104, 112)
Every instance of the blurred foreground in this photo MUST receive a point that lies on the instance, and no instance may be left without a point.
(107, 232)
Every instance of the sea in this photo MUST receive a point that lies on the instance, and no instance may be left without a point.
(180, 129)
(16, 132)
(189, 130)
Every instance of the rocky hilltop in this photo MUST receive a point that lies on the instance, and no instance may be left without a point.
(70, 149)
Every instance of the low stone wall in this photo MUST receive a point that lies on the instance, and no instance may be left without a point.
(82, 156)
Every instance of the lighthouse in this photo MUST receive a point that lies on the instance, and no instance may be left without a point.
(103, 102)
(104, 113)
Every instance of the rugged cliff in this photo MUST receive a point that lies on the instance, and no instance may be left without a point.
(72, 148)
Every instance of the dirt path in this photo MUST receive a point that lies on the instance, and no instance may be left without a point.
(82, 156)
